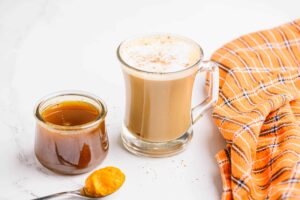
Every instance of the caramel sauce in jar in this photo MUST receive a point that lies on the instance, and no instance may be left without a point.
(70, 132)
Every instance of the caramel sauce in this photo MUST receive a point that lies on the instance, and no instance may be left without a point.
(70, 113)
(71, 151)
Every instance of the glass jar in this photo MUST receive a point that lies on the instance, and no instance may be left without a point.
(71, 149)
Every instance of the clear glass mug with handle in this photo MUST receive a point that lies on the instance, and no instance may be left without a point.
(159, 73)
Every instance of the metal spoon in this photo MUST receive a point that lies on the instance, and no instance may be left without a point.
(74, 193)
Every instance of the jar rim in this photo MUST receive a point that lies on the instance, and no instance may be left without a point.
(101, 116)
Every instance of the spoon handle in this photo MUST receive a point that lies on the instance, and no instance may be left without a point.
(51, 196)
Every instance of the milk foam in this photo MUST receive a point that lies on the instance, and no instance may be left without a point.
(160, 53)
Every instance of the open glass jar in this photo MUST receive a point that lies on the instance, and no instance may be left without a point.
(70, 135)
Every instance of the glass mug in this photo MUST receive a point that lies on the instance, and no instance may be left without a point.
(70, 134)
(158, 118)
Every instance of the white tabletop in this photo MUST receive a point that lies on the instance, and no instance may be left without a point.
(46, 46)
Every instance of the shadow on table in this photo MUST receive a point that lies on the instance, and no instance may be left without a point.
(215, 143)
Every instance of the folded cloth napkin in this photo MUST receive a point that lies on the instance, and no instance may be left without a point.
(258, 114)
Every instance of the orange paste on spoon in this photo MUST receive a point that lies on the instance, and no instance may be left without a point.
(103, 182)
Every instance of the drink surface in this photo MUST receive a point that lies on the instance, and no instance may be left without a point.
(160, 53)
(70, 113)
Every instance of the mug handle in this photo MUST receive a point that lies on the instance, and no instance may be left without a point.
(213, 70)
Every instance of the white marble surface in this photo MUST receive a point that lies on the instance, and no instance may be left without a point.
(51, 45)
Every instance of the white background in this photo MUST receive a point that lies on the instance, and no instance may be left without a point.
(51, 45)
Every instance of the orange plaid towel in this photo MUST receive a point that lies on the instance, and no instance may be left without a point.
(258, 114)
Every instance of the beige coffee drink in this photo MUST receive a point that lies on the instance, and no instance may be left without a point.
(159, 75)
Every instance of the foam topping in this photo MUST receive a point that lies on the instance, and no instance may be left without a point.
(160, 53)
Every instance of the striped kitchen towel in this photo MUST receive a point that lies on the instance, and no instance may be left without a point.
(258, 114)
